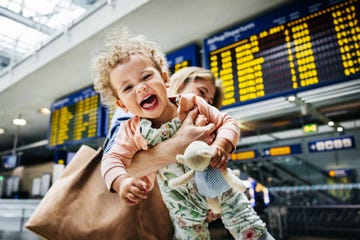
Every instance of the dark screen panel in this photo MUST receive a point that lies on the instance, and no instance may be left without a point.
(185, 57)
(77, 117)
(302, 46)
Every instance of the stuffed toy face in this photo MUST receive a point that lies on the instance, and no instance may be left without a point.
(197, 156)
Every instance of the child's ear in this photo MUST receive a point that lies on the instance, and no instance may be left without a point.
(121, 105)
(165, 76)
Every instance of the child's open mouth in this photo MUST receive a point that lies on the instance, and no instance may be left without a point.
(149, 102)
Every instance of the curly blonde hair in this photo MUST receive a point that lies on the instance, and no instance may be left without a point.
(117, 49)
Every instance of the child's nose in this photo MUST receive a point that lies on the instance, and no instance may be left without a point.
(141, 88)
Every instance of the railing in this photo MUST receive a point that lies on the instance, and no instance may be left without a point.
(326, 221)
(15, 213)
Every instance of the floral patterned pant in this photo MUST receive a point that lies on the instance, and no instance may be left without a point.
(188, 210)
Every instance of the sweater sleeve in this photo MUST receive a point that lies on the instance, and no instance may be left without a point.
(116, 161)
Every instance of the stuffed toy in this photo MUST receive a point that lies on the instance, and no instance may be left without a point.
(211, 183)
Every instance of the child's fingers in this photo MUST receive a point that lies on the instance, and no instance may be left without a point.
(131, 200)
(134, 196)
(139, 189)
(132, 190)
(218, 161)
(223, 164)
(214, 163)
(139, 193)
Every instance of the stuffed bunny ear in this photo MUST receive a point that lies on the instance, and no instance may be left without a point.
(180, 158)
(206, 153)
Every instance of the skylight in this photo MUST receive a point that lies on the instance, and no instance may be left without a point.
(26, 25)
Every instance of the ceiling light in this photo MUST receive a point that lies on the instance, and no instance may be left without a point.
(44, 111)
(2, 130)
(19, 121)
(291, 98)
(339, 129)
(331, 123)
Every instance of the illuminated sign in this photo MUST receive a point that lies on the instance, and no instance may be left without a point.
(332, 144)
(339, 172)
(244, 155)
(310, 128)
(184, 57)
(76, 117)
(305, 45)
(282, 150)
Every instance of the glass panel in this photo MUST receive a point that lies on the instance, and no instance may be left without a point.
(26, 25)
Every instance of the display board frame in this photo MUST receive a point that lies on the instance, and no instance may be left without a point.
(184, 57)
(67, 125)
(304, 58)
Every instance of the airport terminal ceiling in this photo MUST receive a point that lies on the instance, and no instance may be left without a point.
(39, 23)
(26, 25)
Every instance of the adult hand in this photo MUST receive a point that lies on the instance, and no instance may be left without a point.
(188, 132)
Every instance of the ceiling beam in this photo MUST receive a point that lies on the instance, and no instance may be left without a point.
(25, 21)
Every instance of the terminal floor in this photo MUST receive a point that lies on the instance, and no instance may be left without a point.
(25, 235)
(216, 234)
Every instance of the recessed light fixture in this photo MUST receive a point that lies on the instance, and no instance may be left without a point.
(331, 123)
(339, 129)
(19, 121)
(44, 111)
(2, 130)
(291, 98)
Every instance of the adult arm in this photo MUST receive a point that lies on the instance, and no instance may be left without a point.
(160, 155)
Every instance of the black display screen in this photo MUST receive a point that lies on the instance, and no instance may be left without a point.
(76, 117)
(305, 45)
(185, 57)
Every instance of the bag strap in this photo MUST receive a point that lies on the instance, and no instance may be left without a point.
(106, 141)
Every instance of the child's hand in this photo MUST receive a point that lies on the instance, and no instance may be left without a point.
(132, 190)
(220, 158)
(221, 147)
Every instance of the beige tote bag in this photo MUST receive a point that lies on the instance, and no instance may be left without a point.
(78, 206)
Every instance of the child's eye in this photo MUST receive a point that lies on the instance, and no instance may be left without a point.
(147, 76)
(127, 88)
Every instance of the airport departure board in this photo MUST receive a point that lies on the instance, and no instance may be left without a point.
(113, 115)
(301, 46)
(110, 111)
(77, 117)
(185, 57)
